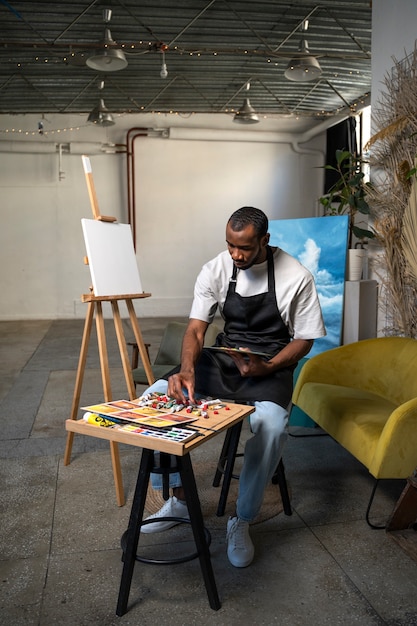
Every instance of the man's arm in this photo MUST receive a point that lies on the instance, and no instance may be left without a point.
(292, 353)
(192, 346)
(256, 366)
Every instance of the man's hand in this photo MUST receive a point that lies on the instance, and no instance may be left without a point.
(250, 364)
(177, 383)
(192, 345)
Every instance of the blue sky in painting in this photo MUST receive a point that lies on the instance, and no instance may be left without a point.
(320, 244)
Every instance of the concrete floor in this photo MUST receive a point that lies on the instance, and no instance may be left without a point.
(60, 526)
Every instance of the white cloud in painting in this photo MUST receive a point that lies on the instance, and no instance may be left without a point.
(310, 258)
(329, 289)
(330, 301)
(319, 244)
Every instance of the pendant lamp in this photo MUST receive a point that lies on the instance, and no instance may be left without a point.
(100, 115)
(108, 58)
(246, 114)
(304, 66)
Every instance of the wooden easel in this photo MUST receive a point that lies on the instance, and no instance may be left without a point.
(95, 309)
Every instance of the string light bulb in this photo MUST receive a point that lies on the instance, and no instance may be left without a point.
(164, 71)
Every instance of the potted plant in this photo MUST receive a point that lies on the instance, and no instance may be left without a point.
(348, 197)
(348, 194)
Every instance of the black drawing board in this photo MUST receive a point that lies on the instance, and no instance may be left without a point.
(111, 258)
(243, 352)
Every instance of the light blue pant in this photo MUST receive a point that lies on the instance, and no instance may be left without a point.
(269, 425)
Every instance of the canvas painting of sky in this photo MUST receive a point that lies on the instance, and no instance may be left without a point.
(320, 244)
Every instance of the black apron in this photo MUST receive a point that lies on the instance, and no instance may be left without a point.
(252, 322)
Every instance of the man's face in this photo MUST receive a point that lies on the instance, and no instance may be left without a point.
(245, 247)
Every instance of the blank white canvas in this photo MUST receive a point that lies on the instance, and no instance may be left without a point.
(111, 258)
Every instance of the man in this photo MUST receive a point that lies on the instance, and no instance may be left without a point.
(269, 303)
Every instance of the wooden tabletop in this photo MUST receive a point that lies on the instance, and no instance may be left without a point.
(216, 422)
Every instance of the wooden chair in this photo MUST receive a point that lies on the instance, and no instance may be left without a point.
(169, 352)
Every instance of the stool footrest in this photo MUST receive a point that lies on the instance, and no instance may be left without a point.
(175, 560)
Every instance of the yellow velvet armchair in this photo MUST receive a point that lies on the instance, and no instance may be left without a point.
(364, 395)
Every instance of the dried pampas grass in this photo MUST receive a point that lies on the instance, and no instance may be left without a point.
(388, 132)
(409, 233)
(393, 198)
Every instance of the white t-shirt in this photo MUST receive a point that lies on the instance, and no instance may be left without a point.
(295, 291)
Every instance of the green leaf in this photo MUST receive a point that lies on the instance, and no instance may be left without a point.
(362, 233)
(341, 156)
(363, 206)
(356, 180)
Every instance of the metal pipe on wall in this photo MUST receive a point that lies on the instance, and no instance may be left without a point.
(130, 167)
(51, 147)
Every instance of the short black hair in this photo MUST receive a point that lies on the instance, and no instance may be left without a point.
(247, 215)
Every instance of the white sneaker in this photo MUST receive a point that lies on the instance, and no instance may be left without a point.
(172, 508)
(240, 550)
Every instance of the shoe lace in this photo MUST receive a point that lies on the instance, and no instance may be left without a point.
(237, 534)
(165, 510)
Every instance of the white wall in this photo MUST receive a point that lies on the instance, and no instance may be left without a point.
(199, 184)
(393, 37)
(186, 190)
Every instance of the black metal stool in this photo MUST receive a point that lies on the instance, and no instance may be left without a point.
(130, 538)
(166, 464)
(225, 468)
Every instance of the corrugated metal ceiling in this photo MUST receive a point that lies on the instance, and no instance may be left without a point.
(213, 48)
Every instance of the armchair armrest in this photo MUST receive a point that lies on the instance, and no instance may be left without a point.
(327, 367)
(396, 452)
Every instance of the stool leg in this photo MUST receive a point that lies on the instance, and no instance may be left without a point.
(222, 459)
(280, 479)
(136, 516)
(197, 525)
(226, 464)
(229, 465)
(165, 462)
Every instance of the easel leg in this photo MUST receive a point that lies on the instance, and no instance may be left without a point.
(139, 340)
(105, 375)
(123, 350)
(102, 350)
(136, 516)
(79, 378)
